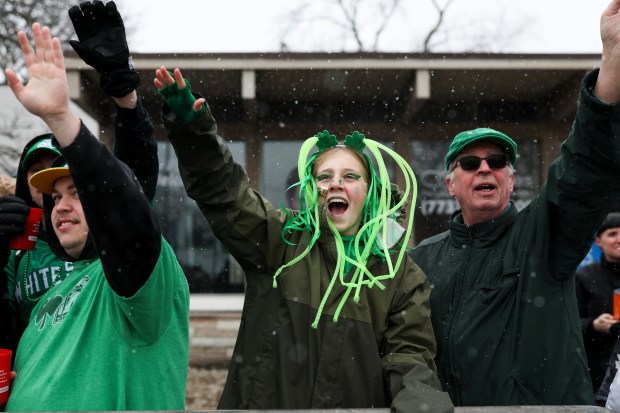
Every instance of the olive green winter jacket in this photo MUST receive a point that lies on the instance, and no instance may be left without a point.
(380, 352)
(503, 298)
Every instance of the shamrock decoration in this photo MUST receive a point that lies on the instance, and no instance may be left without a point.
(326, 140)
(355, 141)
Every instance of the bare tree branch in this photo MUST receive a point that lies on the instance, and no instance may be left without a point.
(440, 19)
(351, 16)
(355, 20)
(19, 15)
(386, 18)
(360, 25)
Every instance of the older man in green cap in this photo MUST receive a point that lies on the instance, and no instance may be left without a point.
(503, 301)
(503, 298)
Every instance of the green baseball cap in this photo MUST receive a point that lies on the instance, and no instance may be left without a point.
(43, 147)
(468, 137)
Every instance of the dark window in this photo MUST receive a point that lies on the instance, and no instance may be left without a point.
(205, 261)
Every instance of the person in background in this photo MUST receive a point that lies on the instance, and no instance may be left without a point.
(595, 285)
(7, 185)
(30, 274)
(593, 255)
(503, 300)
(114, 334)
(313, 333)
(7, 327)
(38, 154)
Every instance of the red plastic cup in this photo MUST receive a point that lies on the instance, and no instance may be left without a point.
(5, 374)
(617, 303)
(27, 240)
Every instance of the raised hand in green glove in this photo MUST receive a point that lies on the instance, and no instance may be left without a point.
(177, 93)
(103, 45)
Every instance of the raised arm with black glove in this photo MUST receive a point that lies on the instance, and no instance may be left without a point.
(103, 45)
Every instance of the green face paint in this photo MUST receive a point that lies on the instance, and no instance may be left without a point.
(327, 179)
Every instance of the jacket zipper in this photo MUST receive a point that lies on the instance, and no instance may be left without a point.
(451, 364)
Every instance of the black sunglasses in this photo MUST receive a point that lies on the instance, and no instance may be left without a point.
(472, 163)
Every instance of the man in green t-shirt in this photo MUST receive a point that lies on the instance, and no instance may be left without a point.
(29, 274)
(114, 334)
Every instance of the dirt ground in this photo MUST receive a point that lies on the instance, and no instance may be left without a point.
(204, 387)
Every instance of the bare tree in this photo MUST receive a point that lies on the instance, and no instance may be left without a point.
(441, 11)
(360, 21)
(494, 32)
(358, 25)
(16, 15)
(16, 125)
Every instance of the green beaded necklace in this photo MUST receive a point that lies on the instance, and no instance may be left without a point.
(26, 262)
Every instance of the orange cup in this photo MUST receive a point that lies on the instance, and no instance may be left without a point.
(27, 240)
(5, 374)
(617, 304)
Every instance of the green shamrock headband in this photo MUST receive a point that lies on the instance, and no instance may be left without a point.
(325, 141)
(377, 234)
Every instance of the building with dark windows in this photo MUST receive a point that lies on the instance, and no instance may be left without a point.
(266, 104)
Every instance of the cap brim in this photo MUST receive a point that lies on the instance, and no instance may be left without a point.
(44, 180)
(37, 154)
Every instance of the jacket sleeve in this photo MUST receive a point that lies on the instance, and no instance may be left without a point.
(123, 226)
(245, 222)
(582, 303)
(136, 146)
(583, 183)
(409, 350)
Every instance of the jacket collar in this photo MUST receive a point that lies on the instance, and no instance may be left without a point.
(481, 234)
(612, 267)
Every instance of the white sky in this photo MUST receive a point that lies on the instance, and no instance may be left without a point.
(549, 26)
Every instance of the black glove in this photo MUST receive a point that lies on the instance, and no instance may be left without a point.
(13, 213)
(103, 45)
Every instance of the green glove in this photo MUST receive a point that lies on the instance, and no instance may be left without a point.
(181, 101)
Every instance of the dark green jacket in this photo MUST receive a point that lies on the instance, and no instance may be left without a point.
(503, 293)
(381, 350)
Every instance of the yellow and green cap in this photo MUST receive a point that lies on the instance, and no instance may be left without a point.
(44, 180)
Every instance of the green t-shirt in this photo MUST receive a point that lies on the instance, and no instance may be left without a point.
(86, 348)
(38, 271)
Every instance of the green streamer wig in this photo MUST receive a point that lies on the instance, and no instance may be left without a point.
(380, 212)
